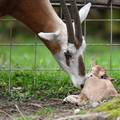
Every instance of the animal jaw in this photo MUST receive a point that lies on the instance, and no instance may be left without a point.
(70, 55)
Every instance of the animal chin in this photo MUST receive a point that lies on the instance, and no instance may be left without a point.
(78, 81)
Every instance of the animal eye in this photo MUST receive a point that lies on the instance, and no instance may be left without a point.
(68, 54)
(102, 76)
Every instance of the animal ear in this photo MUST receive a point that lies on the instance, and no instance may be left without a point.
(94, 61)
(84, 12)
(48, 36)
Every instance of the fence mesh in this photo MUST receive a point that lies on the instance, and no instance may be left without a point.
(36, 46)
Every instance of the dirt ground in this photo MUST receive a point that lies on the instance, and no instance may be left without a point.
(34, 109)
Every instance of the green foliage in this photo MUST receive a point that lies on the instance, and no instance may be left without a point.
(46, 111)
(116, 82)
(40, 85)
(49, 84)
(111, 108)
(26, 118)
(83, 111)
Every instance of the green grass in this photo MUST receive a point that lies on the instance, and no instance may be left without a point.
(102, 54)
(40, 85)
(47, 84)
(111, 108)
(24, 56)
(45, 112)
(21, 118)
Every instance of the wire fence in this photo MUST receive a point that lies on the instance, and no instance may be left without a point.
(35, 45)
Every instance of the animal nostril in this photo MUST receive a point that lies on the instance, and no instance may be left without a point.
(102, 76)
(82, 86)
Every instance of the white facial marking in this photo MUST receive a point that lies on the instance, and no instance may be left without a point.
(77, 80)
(71, 48)
(82, 48)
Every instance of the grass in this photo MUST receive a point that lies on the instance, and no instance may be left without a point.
(40, 85)
(111, 108)
(26, 85)
(21, 118)
(45, 112)
(24, 56)
(46, 84)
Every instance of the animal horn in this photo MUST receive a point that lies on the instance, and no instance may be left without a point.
(66, 13)
(77, 22)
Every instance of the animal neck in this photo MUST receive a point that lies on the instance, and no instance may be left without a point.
(37, 15)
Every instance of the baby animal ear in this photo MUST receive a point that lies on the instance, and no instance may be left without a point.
(94, 61)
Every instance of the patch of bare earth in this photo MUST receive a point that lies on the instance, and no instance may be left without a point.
(8, 110)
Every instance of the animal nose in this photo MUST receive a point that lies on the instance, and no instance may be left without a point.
(82, 86)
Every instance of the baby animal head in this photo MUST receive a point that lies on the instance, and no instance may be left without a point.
(99, 71)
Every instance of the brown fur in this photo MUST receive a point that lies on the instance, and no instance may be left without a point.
(96, 89)
(53, 46)
(81, 66)
(36, 14)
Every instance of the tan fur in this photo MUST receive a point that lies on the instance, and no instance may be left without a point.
(96, 89)
(98, 85)
(53, 46)
(99, 71)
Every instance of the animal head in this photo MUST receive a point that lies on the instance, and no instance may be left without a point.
(69, 43)
(98, 71)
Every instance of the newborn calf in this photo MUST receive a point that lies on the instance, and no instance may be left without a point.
(98, 87)
(99, 72)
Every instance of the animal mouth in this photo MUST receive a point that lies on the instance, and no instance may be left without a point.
(82, 86)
